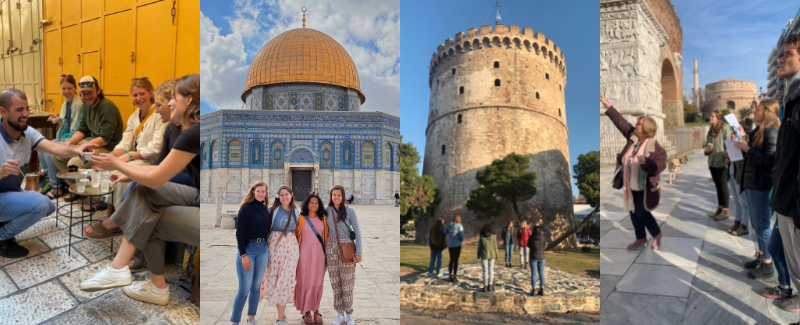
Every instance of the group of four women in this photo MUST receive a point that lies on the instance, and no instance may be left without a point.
(284, 251)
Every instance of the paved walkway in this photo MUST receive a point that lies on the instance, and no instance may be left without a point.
(43, 287)
(377, 289)
(696, 277)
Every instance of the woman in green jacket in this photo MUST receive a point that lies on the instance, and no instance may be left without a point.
(715, 150)
(487, 252)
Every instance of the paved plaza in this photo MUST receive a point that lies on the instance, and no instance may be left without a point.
(377, 287)
(696, 276)
(42, 288)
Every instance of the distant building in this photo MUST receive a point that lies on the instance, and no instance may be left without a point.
(582, 210)
(776, 86)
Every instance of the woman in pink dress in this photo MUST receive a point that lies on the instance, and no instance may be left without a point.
(312, 233)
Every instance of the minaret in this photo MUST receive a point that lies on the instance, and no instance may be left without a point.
(696, 88)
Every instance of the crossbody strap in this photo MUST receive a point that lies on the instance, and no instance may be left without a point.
(336, 229)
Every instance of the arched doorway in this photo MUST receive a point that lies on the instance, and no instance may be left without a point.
(731, 105)
(671, 104)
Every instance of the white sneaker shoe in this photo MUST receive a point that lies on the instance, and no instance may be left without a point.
(338, 319)
(107, 278)
(143, 291)
(350, 320)
(251, 322)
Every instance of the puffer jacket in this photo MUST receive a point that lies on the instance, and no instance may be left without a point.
(537, 245)
(759, 163)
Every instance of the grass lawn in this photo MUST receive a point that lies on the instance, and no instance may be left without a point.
(416, 257)
(697, 123)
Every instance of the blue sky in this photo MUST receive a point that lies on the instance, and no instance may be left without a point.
(232, 33)
(730, 39)
(574, 28)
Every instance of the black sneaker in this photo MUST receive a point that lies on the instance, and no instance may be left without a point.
(776, 292)
(754, 263)
(763, 271)
(9, 248)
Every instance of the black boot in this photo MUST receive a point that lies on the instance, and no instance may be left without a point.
(763, 271)
(9, 248)
(754, 263)
(533, 292)
(485, 288)
(541, 291)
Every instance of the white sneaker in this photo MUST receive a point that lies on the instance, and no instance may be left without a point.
(350, 320)
(251, 322)
(143, 291)
(107, 278)
(338, 319)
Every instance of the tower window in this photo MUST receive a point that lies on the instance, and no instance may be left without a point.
(559, 86)
(442, 149)
(547, 76)
(454, 71)
(461, 90)
(459, 118)
(496, 64)
(537, 95)
(497, 82)
(559, 112)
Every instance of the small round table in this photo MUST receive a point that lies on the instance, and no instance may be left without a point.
(88, 193)
(67, 175)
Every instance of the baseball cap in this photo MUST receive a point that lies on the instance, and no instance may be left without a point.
(87, 83)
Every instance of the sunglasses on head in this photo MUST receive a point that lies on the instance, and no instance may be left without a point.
(87, 84)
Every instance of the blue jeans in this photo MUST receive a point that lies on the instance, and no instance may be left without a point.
(250, 280)
(509, 252)
(182, 178)
(436, 257)
(775, 248)
(52, 170)
(22, 210)
(524, 256)
(537, 266)
(759, 218)
(739, 203)
(488, 271)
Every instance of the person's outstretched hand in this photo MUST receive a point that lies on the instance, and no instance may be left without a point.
(605, 101)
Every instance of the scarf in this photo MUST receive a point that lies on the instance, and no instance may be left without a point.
(631, 174)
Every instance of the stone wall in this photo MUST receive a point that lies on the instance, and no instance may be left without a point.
(639, 71)
(524, 114)
(668, 18)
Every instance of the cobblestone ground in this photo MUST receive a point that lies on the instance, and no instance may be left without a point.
(563, 291)
(696, 277)
(42, 288)
(377, 285)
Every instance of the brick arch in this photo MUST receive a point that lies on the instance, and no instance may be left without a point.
(671, 103)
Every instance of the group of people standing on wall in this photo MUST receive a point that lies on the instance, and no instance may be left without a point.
(531, 244)
(284, 251)
(157, 164)
(766, 181)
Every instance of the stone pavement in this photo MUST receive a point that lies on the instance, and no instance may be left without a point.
(376, 293)
(563, 292)
(696, 276)
(43, 287)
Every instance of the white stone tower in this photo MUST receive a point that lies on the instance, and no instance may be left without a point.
(494, 93)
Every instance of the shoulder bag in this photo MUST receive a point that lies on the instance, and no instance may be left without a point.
(347, 252)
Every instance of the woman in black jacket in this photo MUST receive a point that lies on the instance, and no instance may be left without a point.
(437, 245)
(757, 181)
(253, 226)
(536, 244)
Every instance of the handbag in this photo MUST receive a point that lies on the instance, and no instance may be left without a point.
(618, 179)
(347, 252)
(318, 238)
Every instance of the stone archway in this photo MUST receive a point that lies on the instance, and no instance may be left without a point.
(671, 103)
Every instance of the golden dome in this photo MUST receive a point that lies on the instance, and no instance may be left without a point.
(303, 55)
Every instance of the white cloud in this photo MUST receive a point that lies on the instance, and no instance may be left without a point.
(368, 30)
